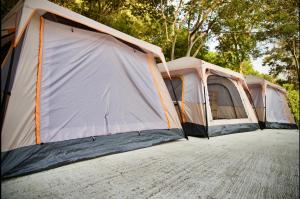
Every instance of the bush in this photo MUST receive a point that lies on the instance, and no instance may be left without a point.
(293, 99)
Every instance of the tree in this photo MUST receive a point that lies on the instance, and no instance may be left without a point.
(236, 33)
(195, 18)
(281, 26)
(293, 99)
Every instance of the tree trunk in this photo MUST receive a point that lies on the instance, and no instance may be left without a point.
(173, 48)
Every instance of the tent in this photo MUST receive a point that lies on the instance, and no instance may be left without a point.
(211, 99)
(270, 103)
(74, 89)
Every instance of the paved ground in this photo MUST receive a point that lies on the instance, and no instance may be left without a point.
(261, 164)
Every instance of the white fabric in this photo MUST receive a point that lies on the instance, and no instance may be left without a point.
(167, 101)
(19, 124)
(277, 107)
(193, 98)
(177, 85)
(257, 97)
(254, 80)
(191, 86)
(258, 100)
(193, 89)
(202, 70)
(30, 7)
(93, 84)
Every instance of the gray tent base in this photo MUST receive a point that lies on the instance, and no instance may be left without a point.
(31, 159)
(193, 129)
(276, 125)
(231, 128)
(197, 130)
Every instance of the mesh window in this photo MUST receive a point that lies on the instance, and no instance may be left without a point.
(281, 114)
(224, 99)
(177, 84)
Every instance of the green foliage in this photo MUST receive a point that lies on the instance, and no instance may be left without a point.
(281, 27)
(293, 99)
(236, 41)
(182, 29)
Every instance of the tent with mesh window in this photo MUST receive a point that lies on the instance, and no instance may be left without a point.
(270, 104)
(74, 89)
(211, 99)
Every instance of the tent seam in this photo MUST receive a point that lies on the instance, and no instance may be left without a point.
(158, 90)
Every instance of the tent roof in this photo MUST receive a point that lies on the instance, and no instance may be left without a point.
(251, 79)
(185, 63)
(19, 17)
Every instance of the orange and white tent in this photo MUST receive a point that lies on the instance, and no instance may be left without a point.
(212, 99)
(270, 103)
(73, 89)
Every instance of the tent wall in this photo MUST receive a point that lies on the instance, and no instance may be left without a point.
(193, 99)
(92, 84)
(178, 87)
(189, 91)
(171, 116)
(258, 100)
(196, 76)
(19, 123)
(266, 96)
(280, 114)
(225, 100)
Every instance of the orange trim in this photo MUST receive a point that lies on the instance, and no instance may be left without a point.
(182, 99)
(9, 30)
(150, 65)
(38, 85)
(22, 31)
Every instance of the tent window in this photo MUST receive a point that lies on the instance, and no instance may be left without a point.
(224, 99)
(177, 84)
(280, 114)
(4, 51)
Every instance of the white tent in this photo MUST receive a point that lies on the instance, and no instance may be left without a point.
(270, 103)
(212, 99)
(74, 89)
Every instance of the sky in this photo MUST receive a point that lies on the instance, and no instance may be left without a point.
(257, 63)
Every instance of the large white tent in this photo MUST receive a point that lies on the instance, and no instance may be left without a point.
(211, 99)
(74, 89)
(270, 103)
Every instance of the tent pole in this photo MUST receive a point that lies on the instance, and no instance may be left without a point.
(180, 112)
(265, 111)
(206, 122)
(6, 88)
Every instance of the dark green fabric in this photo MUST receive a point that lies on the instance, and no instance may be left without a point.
(197, 130)
(36, 158)
(231, 128)
(276, 125)
(193, 129)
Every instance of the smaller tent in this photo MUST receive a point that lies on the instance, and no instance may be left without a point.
(211, 99)
(270, 103)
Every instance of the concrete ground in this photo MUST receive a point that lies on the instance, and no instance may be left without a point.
(261, 164)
